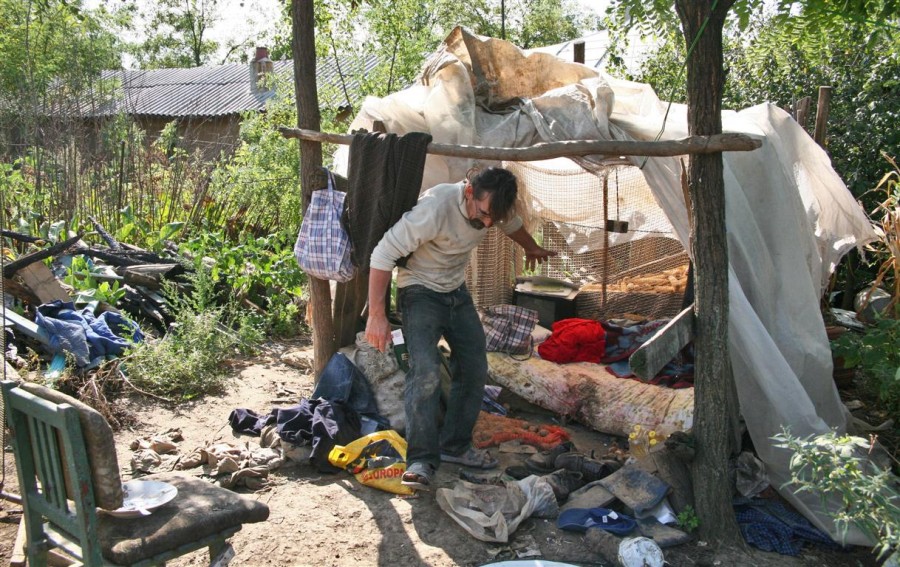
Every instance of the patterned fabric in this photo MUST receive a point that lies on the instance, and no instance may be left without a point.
(507, 328)
(770, 526)
(323, 246)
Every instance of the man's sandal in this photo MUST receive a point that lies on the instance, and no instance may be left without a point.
(418, 476)
(473, 457)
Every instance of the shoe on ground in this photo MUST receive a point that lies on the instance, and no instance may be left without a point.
(592, 469)
(545, 461)
(518, 472)
(475, 458)
(563, 483)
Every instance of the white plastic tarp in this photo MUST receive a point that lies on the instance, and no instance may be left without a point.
(789, 216)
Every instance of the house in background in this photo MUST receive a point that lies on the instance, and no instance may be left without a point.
(598, 50)
(207, 102)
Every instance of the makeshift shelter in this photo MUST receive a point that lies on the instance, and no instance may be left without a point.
(789, 216)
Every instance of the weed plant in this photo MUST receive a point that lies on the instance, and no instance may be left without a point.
(189, 361)
(876, 353)
(837, 465)
(261, 271)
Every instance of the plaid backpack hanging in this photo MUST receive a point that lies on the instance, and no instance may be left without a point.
(507, 328)
(323, 246)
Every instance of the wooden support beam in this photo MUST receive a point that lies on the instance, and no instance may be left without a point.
(822, 110)
(692, 145)
(17, 557)
(650, 358)
(801, 113)
(22, 261)
(303, 47)
(26, 326)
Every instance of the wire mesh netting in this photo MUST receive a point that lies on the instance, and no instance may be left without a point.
(610, 235)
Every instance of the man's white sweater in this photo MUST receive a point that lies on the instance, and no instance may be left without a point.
(438, 235)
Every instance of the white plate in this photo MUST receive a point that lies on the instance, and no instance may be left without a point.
(142, 497)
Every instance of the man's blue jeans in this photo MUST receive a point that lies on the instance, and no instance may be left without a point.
(428, 315)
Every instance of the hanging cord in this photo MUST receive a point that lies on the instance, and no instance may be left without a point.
(337, 63)
(618, 218)
(680, 74)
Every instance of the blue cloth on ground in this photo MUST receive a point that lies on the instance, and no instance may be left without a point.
(341, 381)
(88, 338)
(580, 519)
(768, 525)
(319, 423)
(249, 422)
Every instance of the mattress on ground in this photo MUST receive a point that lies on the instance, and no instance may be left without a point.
(592, 396)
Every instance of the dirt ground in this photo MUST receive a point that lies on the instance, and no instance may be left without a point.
(331, 520)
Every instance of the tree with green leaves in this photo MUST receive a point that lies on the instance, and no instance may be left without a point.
(528, 23)
(50, 52)
(702, 23)
(178, 34)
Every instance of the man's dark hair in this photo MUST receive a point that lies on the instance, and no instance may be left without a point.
(502, 185)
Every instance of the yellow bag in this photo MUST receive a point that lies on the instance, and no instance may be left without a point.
(377, 460)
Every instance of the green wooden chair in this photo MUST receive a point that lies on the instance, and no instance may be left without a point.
(67, 469)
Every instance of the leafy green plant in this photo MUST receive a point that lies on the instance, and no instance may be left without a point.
(261, 271)
(687, 519)
(836, 465)
(81, 275)
(135, 229)
(876, 352)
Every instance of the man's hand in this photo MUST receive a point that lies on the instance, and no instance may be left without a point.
(378, 328)
(378, 331)
(536, 255)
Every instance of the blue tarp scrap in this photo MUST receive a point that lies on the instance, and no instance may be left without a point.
(90, 339)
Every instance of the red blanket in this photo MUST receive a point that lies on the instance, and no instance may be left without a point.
(575, 340)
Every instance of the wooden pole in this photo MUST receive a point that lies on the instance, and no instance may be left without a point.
(822, 109)
(691, 145)
(311, 174)
(802, 111)
(605, 241)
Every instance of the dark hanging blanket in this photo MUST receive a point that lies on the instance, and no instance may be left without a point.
(385, 175)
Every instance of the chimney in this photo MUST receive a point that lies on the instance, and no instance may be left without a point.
(261, 70)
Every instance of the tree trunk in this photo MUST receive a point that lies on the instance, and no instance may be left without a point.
(311, 174)
(715, 400)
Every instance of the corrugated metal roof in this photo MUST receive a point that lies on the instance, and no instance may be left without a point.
(214, 91)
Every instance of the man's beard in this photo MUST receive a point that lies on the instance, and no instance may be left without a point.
(476, 224)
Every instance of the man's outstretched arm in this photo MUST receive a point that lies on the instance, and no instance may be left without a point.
(534, 254)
